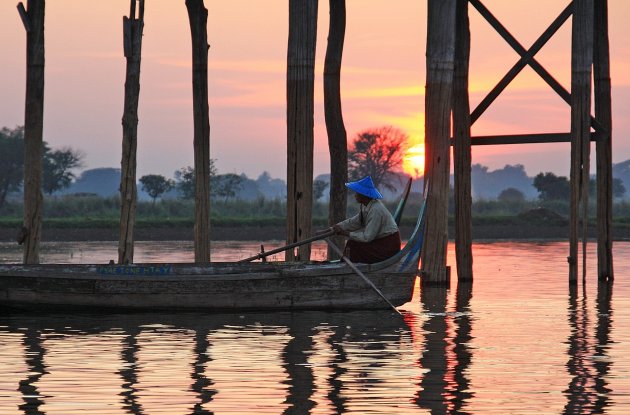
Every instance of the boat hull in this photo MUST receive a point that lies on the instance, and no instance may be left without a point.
(228, 286)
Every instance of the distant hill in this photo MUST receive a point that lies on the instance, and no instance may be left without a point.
(489, 184)
(486, 184)
(103, 182)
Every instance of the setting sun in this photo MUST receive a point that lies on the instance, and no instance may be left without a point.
(413, 160)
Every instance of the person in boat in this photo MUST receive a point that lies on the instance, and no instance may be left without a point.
(373, 235)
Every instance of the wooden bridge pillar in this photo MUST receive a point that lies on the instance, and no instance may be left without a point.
(462, 153)
(439, 86)
(132, 35)
(581, 63)
(603, 113)
(337, 137)
(300, 102)
(33, 19)
(198, 17)
(589, 52)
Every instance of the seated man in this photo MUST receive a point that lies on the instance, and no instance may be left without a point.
(373, 233)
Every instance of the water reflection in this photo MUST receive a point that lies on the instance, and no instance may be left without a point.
(588, 363)
(602, 359)
(34, 353)
(129, 357)
(337, 363)
(292, 363)
(461, 346)
(444, 388)
(527, 342)
(295, 359)
(202, 385)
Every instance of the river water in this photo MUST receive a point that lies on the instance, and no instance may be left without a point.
(519, 340)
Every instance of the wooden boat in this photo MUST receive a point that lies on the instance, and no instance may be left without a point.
(214, 286)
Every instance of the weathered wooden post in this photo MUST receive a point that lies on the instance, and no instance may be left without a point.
(132, 38)
(581, 62)
(337, 138)
(33, 20)
(603, 113)
(440, 53)
(300, 89)
(198, 17)
(462, 146)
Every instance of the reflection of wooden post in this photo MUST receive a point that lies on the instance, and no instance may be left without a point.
(33, 19)
(338, 367)
(300, 85)
(34, 353)
(202, 384)
(461, 147)
(440, 57)
(581, 61)
(128, 372)
(433, 394)
(462, 391)
(301, 381)
(603, 113)
(337, 138)
(132, 35)
(198, 17)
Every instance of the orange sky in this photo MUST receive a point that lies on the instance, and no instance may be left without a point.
(383, 80)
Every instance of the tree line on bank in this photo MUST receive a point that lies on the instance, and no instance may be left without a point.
(377, 152)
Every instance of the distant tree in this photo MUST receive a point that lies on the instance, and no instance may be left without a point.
(552, 187)
(377, 152)
(264, 179)
(57, 165)
(156, 185)
(185, 180)
(11, 161)
(226, 185)
(272, 188)
(57, 168)
(622, 172)
(511, 195)
(318, 189)
(618, 188)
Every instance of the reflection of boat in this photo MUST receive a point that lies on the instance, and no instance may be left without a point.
(220, 285)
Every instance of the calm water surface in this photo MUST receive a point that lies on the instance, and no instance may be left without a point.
(519, 340)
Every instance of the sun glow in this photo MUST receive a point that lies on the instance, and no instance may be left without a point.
(413, 160)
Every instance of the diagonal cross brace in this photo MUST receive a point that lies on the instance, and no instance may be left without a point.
(527, 58)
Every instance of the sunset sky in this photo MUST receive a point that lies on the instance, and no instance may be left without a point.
(383, 78)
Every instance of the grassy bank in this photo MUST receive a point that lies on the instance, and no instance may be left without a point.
(96, 218)
(86, 229)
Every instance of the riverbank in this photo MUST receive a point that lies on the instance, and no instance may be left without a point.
(500, 231)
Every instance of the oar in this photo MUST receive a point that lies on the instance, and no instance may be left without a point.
(287, 247)
(401, 204)
(359, 273)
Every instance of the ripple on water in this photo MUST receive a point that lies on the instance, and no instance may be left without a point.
(517, 341)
